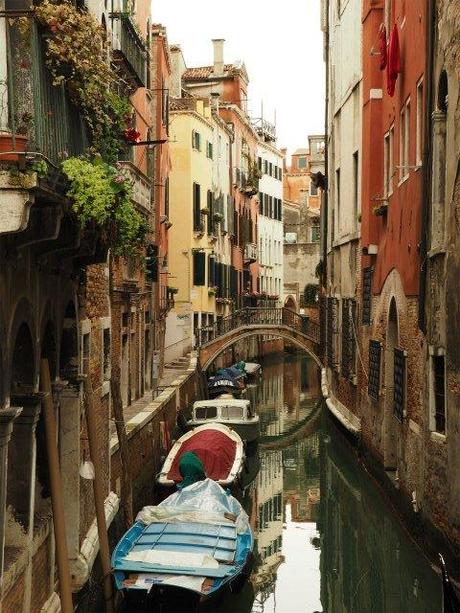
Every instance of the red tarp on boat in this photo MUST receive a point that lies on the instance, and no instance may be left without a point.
(214, 448)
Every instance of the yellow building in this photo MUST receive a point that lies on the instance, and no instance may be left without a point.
(201, 212)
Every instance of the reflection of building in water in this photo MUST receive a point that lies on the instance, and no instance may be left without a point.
(301, 479)
(291, 384)
(367, 562)
(270, 522)
(268, 398)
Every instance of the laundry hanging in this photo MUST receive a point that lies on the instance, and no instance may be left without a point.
(393, 61)
(383, 46)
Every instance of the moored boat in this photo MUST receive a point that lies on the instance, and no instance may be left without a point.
(195, 542)
(219, 448)
(237, 414)
(220, 384)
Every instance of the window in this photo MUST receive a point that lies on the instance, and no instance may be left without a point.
(419, 127)
(367, 296)
(166, 201)
(337, 198)
(270, 172)
(205, 412)
(399, 383)
(259, 163)
(315, 234)
(196, 140)
(438, 394)
(210, 207)
(404, 127)
(375, 358)
(265, 166)
(209, 150)
(197, 225)
(199, 263)
(355, 185)
(348, 338)
(386, 165)
(302, 163)
(313, 189)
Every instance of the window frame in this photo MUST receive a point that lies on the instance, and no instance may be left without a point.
(419, 124)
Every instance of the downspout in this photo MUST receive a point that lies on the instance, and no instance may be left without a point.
(427, 164)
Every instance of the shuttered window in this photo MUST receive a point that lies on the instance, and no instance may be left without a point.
(199, 264)
(348, 337)
(197, 225)
(211, 271)
(375, 358)
(367, 296)
(332, 331)
(399, 383)
(210, 207)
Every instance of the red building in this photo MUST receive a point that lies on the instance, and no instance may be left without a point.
(393, 124)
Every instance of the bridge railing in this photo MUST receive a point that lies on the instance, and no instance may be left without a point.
(259, 316)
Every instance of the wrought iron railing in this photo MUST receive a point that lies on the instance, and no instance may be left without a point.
(131, 46)
(253, 316)
(40, 110)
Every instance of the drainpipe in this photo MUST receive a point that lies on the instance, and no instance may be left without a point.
(427, 163)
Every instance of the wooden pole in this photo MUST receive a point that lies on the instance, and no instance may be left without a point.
(126, 482)
(57, 502)
(98, 488)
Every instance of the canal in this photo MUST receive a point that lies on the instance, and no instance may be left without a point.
(326, 541)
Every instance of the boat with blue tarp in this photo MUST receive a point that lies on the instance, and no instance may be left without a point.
(195, 542)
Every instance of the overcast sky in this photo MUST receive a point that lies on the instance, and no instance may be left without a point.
(280, 43)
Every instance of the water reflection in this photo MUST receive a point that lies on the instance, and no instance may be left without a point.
(325, 541)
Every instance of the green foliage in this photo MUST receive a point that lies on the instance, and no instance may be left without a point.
(40, 167)
(77, 56)
(311, 294)
(101, 194)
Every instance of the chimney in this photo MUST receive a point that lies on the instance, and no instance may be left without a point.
(218, 56)
(215, 101)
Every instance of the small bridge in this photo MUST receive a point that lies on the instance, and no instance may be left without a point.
(254, 321)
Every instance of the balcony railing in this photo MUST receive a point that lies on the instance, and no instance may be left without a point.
(129, 48)
(250, 252)
(42, 112)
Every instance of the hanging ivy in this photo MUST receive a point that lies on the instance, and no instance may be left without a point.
(102, 194)
(77, 56)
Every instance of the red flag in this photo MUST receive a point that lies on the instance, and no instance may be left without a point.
(383, 46)
(393, 62)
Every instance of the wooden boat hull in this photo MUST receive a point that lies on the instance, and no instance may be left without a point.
(248, 430)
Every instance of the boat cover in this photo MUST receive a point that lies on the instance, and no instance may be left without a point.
(191, 469)
(214, 448)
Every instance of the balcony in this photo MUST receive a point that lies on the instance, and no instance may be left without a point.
(129, 50)
(250, 253)
(142, 187)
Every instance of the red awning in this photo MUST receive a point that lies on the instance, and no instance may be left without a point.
(214, 448)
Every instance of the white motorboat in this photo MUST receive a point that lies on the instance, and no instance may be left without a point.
(235, 413)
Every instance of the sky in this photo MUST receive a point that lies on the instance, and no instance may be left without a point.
(280, 44)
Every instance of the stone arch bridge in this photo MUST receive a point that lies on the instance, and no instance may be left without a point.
(257, 321)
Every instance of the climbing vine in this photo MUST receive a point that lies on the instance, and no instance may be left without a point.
(102, 194)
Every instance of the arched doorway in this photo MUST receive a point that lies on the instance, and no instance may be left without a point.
(290, 303)
(390, 423)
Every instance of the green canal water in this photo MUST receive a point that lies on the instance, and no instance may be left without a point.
(326, 541)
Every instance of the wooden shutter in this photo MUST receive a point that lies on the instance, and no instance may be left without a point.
(199, 264)
(375, 358)
(399, 383)
(196, 207)
(367, 296)
(211, 271)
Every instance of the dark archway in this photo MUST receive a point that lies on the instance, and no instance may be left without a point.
(390, 423)
(22, 361)
(68, 355)
(290, 303)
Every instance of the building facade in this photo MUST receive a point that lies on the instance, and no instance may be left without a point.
(302, 208)
(270, 220)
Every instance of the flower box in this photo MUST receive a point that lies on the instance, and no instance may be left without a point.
(10, 150)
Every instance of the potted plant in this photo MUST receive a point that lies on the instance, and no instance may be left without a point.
(218, 217)
(205, 211)
(212, 291)
(12, 146)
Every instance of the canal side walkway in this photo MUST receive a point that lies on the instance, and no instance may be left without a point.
(140, 412)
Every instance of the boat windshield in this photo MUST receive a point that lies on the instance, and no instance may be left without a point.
(206, 412)
(230, 412)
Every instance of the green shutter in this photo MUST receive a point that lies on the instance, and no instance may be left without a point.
(199, 264)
